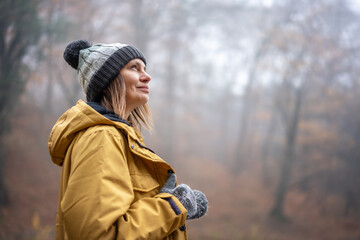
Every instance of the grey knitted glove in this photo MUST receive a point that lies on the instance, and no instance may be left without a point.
(194, 201)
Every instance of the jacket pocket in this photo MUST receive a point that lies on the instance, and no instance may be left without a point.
(144, 183)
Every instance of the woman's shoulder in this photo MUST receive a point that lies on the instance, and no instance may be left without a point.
(102, 129)
(99, 135)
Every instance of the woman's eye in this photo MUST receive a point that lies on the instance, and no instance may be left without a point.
(134, 67)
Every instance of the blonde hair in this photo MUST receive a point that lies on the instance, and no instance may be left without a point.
(114, 99)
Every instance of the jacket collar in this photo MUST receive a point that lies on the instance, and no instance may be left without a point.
(107, 113)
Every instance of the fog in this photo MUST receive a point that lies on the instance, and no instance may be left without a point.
(256, 103)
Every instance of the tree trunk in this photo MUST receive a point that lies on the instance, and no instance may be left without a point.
(169, 105)
(288, 160)
(4, 199)
(266, 150)
(246, 112)
(141, 31)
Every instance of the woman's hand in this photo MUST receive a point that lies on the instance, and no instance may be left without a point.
(194, 201)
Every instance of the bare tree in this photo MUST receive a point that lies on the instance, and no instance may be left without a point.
(19, 27)
(308, 49)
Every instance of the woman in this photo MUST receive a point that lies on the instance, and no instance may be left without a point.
(112, 186)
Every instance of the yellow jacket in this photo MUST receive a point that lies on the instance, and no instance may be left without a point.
(110, 182)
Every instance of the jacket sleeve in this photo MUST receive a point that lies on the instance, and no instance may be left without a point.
(98, 200)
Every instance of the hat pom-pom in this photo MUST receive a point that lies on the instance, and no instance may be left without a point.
(71, 53)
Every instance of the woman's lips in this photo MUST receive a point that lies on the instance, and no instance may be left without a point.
(144, 89)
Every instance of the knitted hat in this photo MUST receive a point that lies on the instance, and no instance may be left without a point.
(98, 64)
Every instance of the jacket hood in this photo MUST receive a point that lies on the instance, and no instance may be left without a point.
(79, 117)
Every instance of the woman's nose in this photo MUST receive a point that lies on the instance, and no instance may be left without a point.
(145, 77)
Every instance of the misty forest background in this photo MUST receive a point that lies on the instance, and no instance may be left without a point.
(256, 103)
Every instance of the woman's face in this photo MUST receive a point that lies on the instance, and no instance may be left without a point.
(136, 84)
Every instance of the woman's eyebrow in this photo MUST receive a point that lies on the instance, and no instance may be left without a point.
(139, 63)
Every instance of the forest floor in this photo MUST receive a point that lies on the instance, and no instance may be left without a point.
(239, 210)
